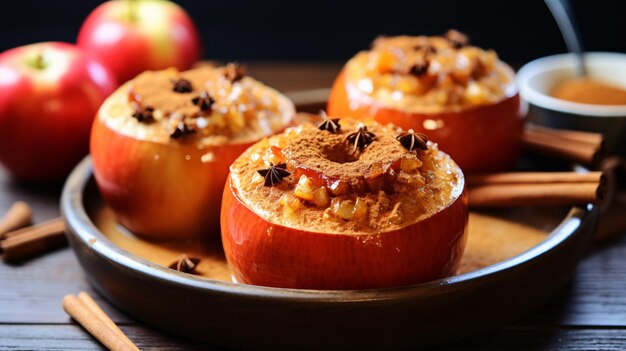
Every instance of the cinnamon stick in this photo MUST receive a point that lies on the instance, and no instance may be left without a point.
(583, 147)
(535, 188)
(509, 195)
(90, 320)
(18, 216)
(95, 309)
(589, 138)
(30, 241)
(532, 177)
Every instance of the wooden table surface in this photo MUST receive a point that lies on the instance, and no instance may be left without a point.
(589, 314)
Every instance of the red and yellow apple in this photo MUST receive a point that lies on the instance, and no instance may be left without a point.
(161, 191)
(481, 138)
(131, 36)
(49, 93)
(163, 188)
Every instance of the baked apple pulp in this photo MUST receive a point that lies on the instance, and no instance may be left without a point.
(363, 206)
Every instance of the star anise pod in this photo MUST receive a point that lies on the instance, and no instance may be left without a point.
(185, 264)
(329, 124)
(234, 72)
(143, 114)
(411, 140)
(204, 101)
(419, 68)
(182, 129)
(456, 38)
(274, 174)
(361, 138)
(182, 85)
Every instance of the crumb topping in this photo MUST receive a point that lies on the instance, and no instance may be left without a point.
(207, 105)
(430, 74)
(315, 179)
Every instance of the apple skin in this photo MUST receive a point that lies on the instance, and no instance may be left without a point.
(268, 254)
(479, 139)
(167, 197)
(47, 108)
(134, 36)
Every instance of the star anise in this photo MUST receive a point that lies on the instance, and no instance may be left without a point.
(361, 138)
(234, 72)
(185, 264)
(329, 124)
(182, 129)
(411, 140)
(204, 101)
(419, 68)
(182, 85)
(143, 114)
(274, 174)
(456, 38)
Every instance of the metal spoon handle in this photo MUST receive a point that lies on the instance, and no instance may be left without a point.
(562, 12)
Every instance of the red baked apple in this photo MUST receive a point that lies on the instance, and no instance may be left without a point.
(464, 98)
(161, 146)
(49, 93)
(131, 36)
(346, 207)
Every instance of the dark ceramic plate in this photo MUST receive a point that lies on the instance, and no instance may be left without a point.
(245, 316)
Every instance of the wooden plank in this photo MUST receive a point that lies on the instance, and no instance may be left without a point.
(74, 337)
(32, 292)
(522, 339)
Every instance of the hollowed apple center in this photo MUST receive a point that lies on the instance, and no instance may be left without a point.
(333, 157)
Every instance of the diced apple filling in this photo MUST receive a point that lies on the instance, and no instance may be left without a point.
(410, 164)
(315, 195)
(274, 155)
(290, 202)
(348, 209)
(339, 187)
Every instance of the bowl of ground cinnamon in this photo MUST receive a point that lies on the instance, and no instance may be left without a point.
(558, 98)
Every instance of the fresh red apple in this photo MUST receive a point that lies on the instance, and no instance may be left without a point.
(269, 245)
(131, 36)
(49, 93)
(482, 138)
(164, 188)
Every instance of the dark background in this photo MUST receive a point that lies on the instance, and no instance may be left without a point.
(247, 30)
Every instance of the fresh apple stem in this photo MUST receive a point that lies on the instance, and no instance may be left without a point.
(38, 61)
(132, 10)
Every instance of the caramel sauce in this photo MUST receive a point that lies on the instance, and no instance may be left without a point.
(493, 237)
(589, 91)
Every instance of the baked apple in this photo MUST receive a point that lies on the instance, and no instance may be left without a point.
(462, 96)
(162, 143)
(343, 205)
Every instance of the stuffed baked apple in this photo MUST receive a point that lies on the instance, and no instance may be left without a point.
(161, 145)
(462, 96)
(343, 205)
